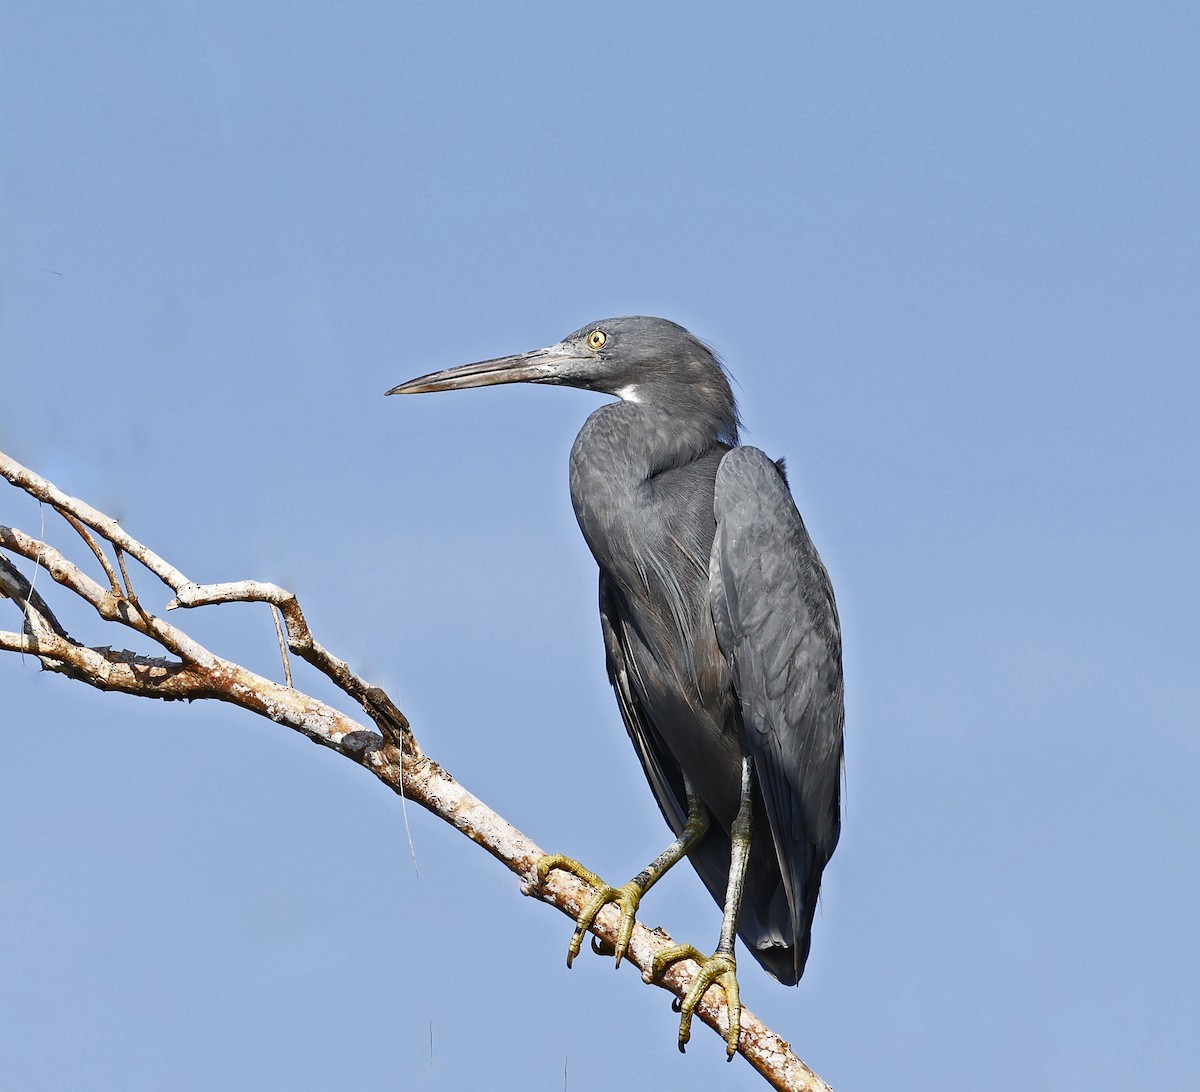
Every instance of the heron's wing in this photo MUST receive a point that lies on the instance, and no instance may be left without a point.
(663, 773)
(777, 624)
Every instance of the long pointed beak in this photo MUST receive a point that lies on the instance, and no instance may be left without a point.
(539, 366)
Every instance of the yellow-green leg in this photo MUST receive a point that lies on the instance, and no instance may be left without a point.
(721, 966)
(628, 896)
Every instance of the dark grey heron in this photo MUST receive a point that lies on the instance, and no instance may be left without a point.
(722, 637)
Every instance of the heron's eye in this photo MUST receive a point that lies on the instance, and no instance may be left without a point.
(596, 338)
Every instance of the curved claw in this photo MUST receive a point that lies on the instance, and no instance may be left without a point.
(627, 897)
(719, 968)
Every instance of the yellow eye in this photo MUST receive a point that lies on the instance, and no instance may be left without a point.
(596, 338)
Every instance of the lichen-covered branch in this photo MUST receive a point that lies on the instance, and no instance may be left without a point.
(387, 747)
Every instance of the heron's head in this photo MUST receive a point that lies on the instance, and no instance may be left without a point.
(638, 359)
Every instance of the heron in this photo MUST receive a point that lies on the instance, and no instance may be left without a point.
(721, 635)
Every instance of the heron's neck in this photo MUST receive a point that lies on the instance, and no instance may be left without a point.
(623, 459)
(625, 444)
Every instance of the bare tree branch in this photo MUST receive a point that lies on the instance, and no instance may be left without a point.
(388, 749)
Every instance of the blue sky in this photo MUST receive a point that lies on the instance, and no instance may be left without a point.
(949, 253)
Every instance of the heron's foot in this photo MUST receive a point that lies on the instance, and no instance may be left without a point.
(627, 897)
(719, 968)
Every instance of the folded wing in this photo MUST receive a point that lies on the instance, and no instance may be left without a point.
(777, 624)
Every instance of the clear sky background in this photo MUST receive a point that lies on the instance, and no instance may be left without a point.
(950, 253)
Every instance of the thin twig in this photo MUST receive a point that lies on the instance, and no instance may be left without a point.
(86, 535)
(130, 595)
(129, 592)
(107, 527)
(283, 651)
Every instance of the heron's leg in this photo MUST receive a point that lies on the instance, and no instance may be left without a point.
(628, 896)
(721, 966)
